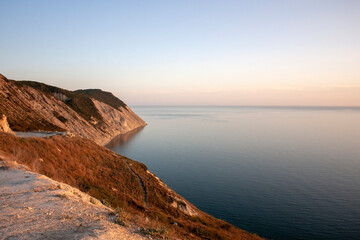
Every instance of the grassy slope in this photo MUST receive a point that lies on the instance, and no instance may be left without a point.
(80, 103)
(102, 96)
(20, 115)
(104, 175)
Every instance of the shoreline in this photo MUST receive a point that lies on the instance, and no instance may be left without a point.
(123, 137)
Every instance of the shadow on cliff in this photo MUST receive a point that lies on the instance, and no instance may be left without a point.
(123, 139)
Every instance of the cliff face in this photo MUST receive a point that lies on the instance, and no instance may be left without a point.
(119, 120)
(95, 115)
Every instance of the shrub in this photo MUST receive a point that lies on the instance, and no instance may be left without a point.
(155, 232)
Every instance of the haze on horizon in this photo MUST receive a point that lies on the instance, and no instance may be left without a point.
(282, 52)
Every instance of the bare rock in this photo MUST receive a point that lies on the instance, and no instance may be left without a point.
(33, 206)
(4, 125)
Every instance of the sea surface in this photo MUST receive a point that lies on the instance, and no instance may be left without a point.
(280, 172)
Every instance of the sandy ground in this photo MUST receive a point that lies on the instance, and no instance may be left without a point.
(33, 206)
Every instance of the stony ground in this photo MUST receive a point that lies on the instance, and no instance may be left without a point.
(33, 206)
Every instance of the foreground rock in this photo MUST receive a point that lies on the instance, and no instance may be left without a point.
(33, 206)
(4, 125)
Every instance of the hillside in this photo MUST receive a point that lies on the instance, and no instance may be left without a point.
(102, 96)
(118, 182)
(67, 212)
(92, 114)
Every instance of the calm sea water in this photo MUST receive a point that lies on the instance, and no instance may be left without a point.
(283, 173)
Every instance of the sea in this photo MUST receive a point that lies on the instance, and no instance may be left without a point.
(279, 172)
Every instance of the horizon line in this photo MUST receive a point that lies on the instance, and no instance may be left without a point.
(264, 106)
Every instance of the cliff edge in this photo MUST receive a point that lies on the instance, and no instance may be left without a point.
(34, 206)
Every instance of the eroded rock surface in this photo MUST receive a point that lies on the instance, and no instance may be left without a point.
(4, 125)
(32, 106)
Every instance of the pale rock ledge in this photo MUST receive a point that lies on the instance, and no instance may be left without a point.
(33, 206)
(4, 125)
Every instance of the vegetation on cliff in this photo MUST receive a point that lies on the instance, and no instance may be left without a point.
(80, 103)
(102, 96)
(92, 114)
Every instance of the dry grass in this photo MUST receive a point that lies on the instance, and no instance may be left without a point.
(102, 96)
(80, 103)
(122, 217)
(104, 175)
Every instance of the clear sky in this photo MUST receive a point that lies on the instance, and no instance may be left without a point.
(196, 52)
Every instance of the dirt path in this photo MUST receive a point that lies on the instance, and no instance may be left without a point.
(38, 134)
(141, 183)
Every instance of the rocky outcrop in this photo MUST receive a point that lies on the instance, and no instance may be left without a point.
(32, 106)
(4, 125)
(117, 121)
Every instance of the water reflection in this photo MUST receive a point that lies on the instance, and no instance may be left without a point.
(283, 173)
(123, 139)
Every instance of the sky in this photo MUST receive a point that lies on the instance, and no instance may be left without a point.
(189, 52)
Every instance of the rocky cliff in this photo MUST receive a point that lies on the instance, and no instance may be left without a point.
(92, 114)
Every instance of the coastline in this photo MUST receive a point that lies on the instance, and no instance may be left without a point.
(123, 138)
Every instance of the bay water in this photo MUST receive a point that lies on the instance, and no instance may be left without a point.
(280, 172)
